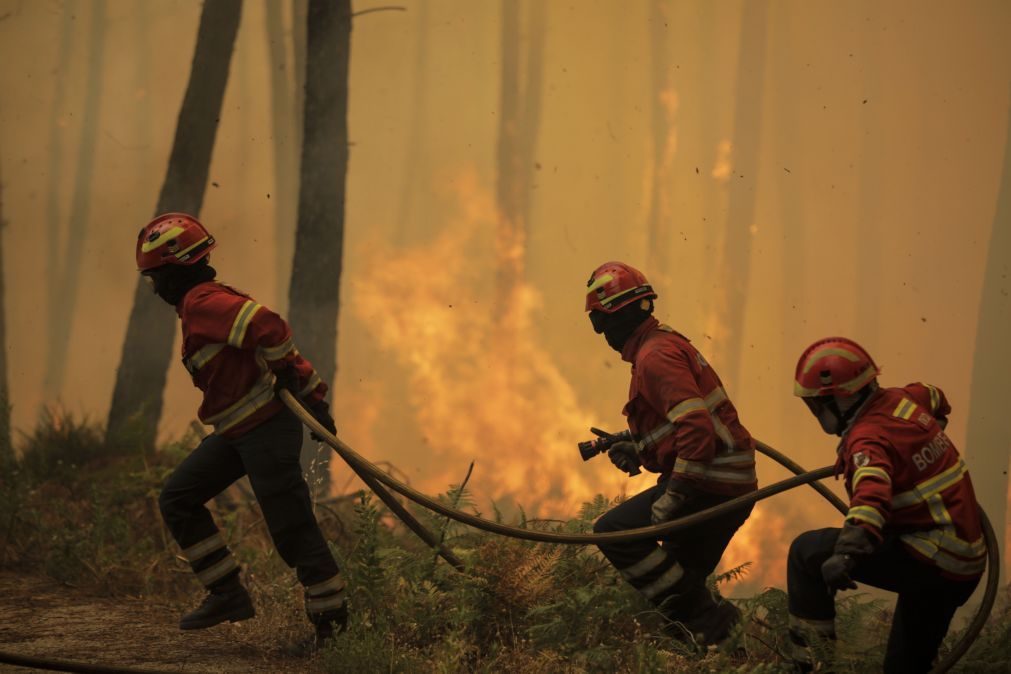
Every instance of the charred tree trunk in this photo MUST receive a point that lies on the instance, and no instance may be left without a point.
(6, 446)
(64, 296)
(663, 111)
(988, 443)
(519, 119)
(314, 295)
(140, 380)
(416, 135)
(736, 261)
(284, 113)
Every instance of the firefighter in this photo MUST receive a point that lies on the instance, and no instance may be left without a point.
(687, 430)
(239, 353)
(913, 525)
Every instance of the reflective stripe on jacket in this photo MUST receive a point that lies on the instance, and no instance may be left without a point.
(681, 417)
(231, 347)
(904, 475)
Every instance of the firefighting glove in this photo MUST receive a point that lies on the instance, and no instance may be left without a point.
(287, 380)
(678, 493)
(321, 412)
(836, 572)
(625, 455)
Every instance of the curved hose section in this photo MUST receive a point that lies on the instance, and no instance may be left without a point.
(362, 466)
(70, 666)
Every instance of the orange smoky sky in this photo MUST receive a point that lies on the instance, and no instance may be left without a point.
(866, 138)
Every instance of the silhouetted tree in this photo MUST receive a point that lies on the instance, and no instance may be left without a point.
(736, 259)
(988, 443)
(519, 119)
(63, 297)
(140, 380)
(418, 120)
(314, 293)
(6, 447)
(662, 117)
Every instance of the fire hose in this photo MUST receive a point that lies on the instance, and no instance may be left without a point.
(364, 468)
(375, 478)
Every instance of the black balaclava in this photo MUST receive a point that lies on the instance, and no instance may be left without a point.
(172, 281)
(620, 325)
(834, 417)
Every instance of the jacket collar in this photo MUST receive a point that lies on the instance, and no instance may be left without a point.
(635, 341)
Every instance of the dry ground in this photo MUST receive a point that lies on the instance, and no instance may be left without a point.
(43, 619)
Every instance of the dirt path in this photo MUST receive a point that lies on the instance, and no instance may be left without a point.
(42, 619)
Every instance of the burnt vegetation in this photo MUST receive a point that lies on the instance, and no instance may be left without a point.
(85, 513)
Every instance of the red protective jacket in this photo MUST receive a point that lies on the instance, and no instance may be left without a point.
(681, 417)
(231, 348)
(905, 476)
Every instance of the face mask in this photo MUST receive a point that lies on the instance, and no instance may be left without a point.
(619, 326)
(172, 282)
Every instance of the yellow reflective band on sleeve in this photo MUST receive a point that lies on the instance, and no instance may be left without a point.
(148, 246)
(278, 352)
(904, 409)
(238, 332)
(928, 488)
(217, 571)
(203, 356)
(686, 407)
(867, 514)
(709, 472)
(935, 398)
(314, 381)
(198, 551)
(716, 398)
(872, 472)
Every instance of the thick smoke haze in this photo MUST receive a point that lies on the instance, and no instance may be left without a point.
(835, 168)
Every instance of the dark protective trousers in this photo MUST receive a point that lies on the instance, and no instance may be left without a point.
(672, 576)
(927, 600)
(269, 455)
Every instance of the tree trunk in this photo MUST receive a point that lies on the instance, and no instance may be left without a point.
(742, 185)
(284, 113)
(663, 111)
(64, 296)
(140, 379)
(988, 442)
(519, 117)
(314, 295)
(416, 147)
(6, 447)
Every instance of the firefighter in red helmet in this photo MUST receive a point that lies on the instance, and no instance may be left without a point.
(913, 526)
(686, 429)
(239, 353)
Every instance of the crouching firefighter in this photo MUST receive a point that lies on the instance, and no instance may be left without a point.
(686, 429)
(239, 353)
(913, 526)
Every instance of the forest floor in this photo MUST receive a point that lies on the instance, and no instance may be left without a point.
(43, 619)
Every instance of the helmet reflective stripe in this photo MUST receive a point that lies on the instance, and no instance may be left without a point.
(173, 233)
(825, 353)
(600, 281)
(181, 255)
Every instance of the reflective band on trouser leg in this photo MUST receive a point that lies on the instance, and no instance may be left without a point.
(198, 551)
(654, 574)
(217, 571)
(325, 596)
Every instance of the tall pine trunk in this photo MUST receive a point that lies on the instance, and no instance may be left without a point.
(63, 297)
(662, 120)
(988, 443)
(736, 260)
(140, 380)
(314, 294)
(519, 119)
(6, 446)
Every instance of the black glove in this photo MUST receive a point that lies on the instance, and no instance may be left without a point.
(625, 455)
(836, 572)
(678, 493)
(287, 380)
(321, 412)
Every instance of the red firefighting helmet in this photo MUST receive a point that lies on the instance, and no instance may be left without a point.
(614, 285)
(172, 238)
(833, 366)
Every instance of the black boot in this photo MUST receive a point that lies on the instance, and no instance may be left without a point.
(226, 600)
(707, 627)
(330, 624)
